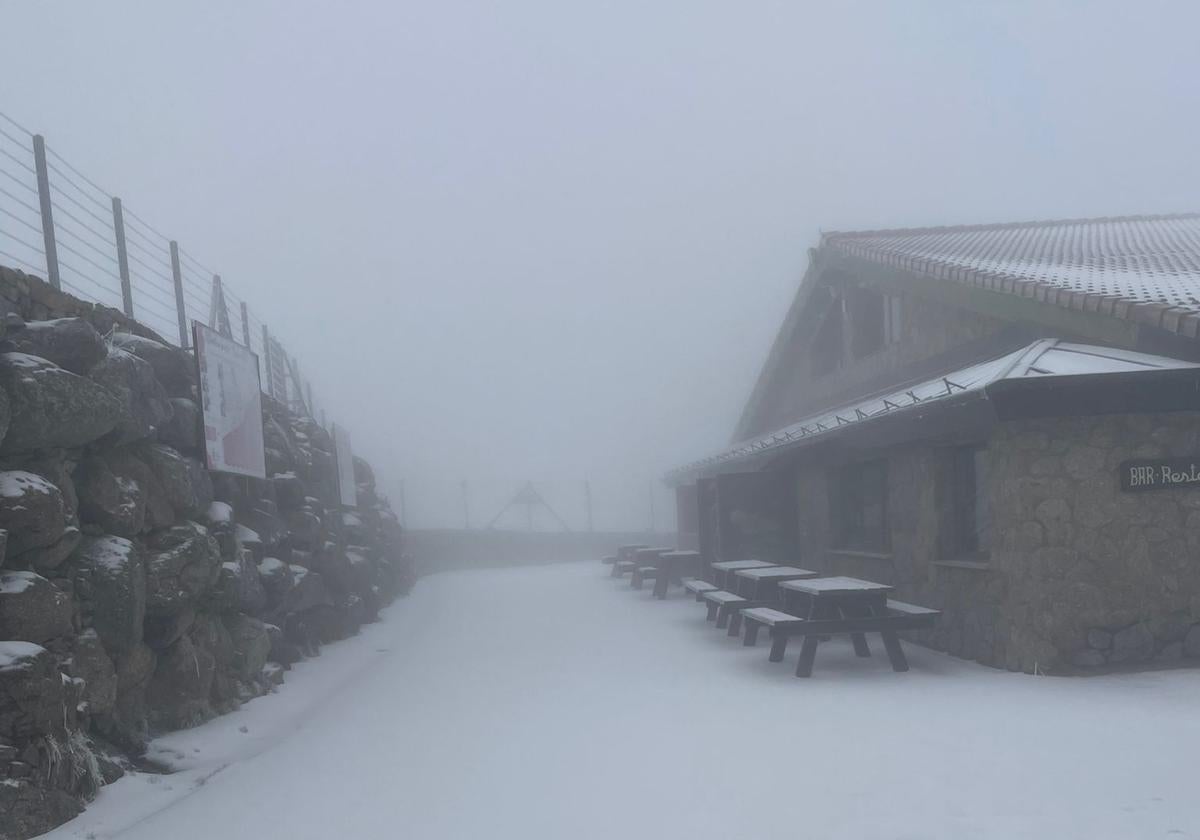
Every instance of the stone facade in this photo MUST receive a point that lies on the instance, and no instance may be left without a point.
(1079, 574)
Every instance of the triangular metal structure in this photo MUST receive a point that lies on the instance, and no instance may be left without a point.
(530, 498)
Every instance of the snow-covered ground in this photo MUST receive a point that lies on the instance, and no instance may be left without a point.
(552, 703)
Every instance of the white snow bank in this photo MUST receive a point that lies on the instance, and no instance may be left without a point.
(552, 702)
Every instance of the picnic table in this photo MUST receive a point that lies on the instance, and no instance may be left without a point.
(645, 564)
(759, 582)
(819, 606)
(758, 586)
(624, 558)
(722, 568)
(671, 565)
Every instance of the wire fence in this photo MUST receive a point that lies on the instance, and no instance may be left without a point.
(59, 224)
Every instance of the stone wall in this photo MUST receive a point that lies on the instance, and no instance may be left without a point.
(1095, 576)
(441, 550)
(139, 592)
(1080, 575)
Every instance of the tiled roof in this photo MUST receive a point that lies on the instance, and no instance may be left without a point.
(1046, 357)
(1146, 268)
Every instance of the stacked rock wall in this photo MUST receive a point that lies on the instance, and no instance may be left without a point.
(138, 591)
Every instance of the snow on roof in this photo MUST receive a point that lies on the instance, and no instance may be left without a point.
(1143, 262)
(1047, 357)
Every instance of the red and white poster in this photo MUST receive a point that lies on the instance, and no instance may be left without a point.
(231, 402)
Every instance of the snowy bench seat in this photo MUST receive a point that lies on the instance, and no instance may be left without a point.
(642, 573)
(722, 604)
(623, 566)
(609, 560)
(698, 587)
(782, 626)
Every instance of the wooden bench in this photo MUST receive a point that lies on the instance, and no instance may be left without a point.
(782, 626)
(623, 566)
(698, 587)
(722, 604)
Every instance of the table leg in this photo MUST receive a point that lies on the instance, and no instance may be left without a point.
(735, 622)
(891, 643)
(861, 648)
(662, 579)
(808, 651)
(751, 638)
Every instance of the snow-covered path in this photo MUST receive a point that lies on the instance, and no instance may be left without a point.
(552, 703)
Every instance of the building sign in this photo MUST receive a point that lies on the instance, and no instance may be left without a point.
(231, 404)
(1158, 474)
(347, 489)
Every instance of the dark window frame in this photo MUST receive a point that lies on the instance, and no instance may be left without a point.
(966, 504)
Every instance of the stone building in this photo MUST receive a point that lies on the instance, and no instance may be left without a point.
(1002, 421)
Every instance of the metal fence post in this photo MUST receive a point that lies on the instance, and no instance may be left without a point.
(43, 182)
(122, 257)
(180, 308)
(245, 325)
(267, 362)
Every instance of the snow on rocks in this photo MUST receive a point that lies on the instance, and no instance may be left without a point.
(71, 343)
(117, 609)
(52, 408)
(110, 583)
(18, 654)
(31, 511)
(33, 609)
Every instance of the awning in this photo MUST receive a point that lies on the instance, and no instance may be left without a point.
(1050, 361)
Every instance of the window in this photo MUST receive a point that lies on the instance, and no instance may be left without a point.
(858, 506)
(965, 504)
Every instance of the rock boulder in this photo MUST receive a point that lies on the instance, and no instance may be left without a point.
(52, 408)
(110, 583)
(144, 404)
(32, 609)
(71, 343)
(31, 510)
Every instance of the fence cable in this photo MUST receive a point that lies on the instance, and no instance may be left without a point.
(35, 228)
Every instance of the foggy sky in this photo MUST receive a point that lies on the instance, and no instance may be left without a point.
(553, 240)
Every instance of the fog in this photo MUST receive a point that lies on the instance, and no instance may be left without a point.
(551, 242)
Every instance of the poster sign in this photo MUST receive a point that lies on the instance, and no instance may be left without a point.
(347, 489)
(231, 404)
(1159, 474)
